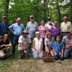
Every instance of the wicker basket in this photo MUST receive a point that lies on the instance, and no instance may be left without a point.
(47, 58)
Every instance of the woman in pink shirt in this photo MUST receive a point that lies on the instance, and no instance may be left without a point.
(43, 29)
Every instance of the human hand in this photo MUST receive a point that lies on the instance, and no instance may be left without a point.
(25, 51)
(61, 55)
(37, 52)
(1, 46)
(0, 36)
(55, 54)
(65, 50)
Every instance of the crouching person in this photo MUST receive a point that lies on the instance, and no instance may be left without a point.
(24, 42)
(5, 45)
(58, 48)
(49, 40)
(37, 46)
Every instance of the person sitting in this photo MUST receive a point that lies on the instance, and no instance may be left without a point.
(49, 40)
(67, 41)
(24, 42)
(58, 49)
(37, 46)
(5, 45)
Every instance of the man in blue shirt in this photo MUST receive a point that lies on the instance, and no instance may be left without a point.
(16, 29)
(58, 49)
(3, 26)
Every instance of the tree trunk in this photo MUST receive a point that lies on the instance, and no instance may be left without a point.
(59, 16)
(44, 11)
(6, 8)
(71, 10)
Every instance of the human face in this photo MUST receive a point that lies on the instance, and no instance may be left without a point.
(32, 19)
(25, 35)
(18, 20)
(65, 19)
(42, 23)
(55, 24)
(4, 20)
(5, 36)
(68, 35)
(49, 36)
(58, 39)
(38, 35)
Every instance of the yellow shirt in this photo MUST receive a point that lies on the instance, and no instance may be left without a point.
(65, 26)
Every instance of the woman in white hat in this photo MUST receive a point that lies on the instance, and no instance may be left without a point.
(37, 46)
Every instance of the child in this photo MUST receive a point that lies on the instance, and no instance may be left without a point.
(48, 43)
(58, 49)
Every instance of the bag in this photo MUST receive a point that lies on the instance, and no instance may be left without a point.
(47, 58)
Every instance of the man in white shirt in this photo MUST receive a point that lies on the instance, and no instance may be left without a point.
(24, 42)
(65, 26)
(49, 24)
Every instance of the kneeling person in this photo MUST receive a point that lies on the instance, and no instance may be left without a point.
(5, 45)
(24, 42)
(58, 49)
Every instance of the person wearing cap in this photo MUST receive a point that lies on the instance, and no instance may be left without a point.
(67, 41)
(37, 46)
(43, 29)
(31, 27)
(24, 42)
(16, 29)
(49, 24)
(5, 44)
(55, 30)
(4, 26)
(65, 26)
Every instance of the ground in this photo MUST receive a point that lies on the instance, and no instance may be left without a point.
(31, 65)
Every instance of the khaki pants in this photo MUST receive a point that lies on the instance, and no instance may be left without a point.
(2, 54)
(21, 52)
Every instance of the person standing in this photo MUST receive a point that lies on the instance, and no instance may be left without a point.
(55, 30)
(43, 31)
(49, 24)
(31, 27)
(65, 26)
(4, 26)
(16, 29)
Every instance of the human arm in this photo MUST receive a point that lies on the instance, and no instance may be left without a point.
(62, 52)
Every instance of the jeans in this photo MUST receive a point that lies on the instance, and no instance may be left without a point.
(66, 54)
(58, 57)
(15, 41)
(29, 48)
(63, 34)
(35, 56)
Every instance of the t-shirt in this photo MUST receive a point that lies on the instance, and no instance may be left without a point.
(32, 28)
(55, 32)
(2, 42)
(58, 47)
(67, 41)
(49, 42)
(23, 40)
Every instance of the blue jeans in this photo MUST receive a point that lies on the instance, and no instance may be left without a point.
(35, 56)
(58, 57)
(66, 54)
(15, 41)
(29, 48)
(63, 34)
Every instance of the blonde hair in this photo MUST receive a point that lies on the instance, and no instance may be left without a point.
(58, 36)
(49, 33)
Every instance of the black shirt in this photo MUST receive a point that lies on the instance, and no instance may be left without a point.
(2, 42)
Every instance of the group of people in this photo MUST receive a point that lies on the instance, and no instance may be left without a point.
(47, 38)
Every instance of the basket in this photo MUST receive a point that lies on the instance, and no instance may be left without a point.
(47, 58)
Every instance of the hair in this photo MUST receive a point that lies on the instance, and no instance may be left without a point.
(5, 33)
(49, 33)
(55, 21)
(58, 36)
